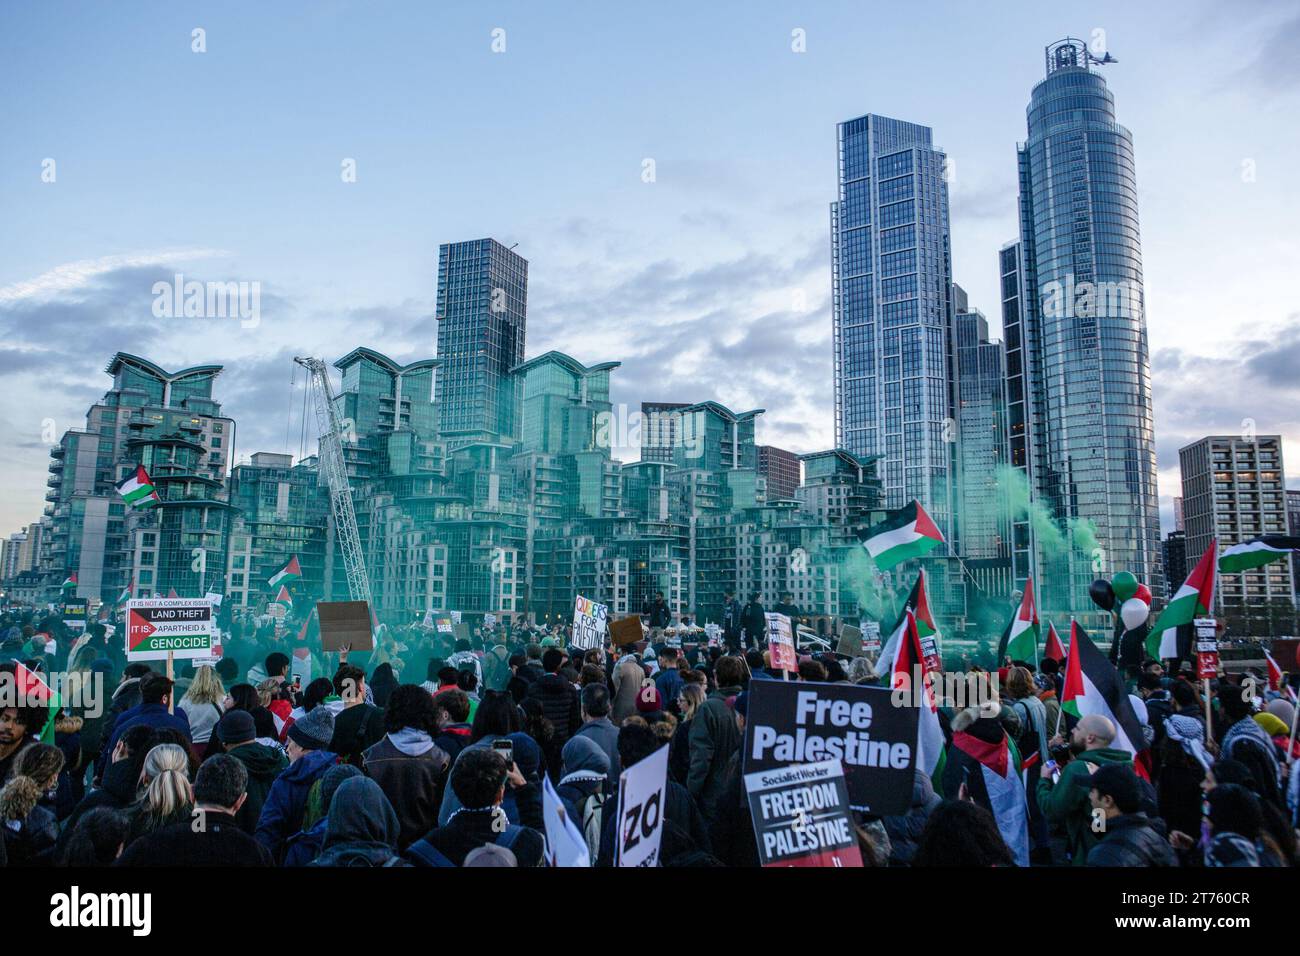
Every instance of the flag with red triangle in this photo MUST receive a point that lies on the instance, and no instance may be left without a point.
(1194, 599)
(1094, 686)
(910, 666)
(291, 570)
(1020, 639)
(126, 593)
(906, 533)
(918, 602)
(1055, 649)
(70, 581)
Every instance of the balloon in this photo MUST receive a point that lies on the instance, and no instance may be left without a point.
(1133, 613)
(1143, 594)
(1102, 594)
(1125, 586)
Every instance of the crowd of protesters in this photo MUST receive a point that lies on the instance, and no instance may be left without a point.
(431, 749)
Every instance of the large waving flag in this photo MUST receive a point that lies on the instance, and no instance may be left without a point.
(910, 664)
(1257, 552)
(126, 593)
(1020, 639)
(905, 533)
(1194, 599)
(291, 571)
(137, 489)
(284, 598)
(1094, 686)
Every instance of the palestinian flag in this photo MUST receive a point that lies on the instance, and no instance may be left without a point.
(32, 690)
(126, 594)
(70, 582)
(1194, 599)
(137, 489)
(1020, 639)
(171, 593)
(1257, 552)
(918, 603)
(906, 533)
(909, 664)
(284, 598)
(1055, 649)
(1000, 775)
(291, 571)
(1094, 686)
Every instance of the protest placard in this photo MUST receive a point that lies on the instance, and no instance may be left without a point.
(641, 793)
(565, 844)
(345, 624)
(804, 722)
(850, 643)
(801, 816)
(1207, 648)
(780, 643)
(75, 613)
(589, 620)
(626, 631)
(156, 627)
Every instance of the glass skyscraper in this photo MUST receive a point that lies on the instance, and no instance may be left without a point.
(1084, 409)
(482, 316)
(892, 310)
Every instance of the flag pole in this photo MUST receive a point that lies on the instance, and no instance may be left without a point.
(171, 698)
(1290, 753)
(1209, 711)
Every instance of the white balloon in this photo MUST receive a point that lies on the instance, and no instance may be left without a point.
(1134, 613)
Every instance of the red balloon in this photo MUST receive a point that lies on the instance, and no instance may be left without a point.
(1143, 594)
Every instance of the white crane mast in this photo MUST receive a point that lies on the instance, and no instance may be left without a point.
(335, 471)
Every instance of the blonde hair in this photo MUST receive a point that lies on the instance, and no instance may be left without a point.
(266, 692)
(206, 688)
(167, 785)
(692, 696)
(35, 770)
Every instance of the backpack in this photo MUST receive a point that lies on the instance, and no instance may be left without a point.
(592, 813)
(426, 854)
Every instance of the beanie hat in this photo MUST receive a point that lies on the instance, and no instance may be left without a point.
(1272, 724)
(313, 731)
(648, 700)
(236, 726)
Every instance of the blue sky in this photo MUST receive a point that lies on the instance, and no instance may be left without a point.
(225, 165)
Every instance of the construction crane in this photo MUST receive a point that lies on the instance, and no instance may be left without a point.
(336, 477)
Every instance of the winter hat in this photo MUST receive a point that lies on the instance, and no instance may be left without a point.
(1272, 724)
(236, 726)
(313, 731)
(648, 700)
(1282, 710)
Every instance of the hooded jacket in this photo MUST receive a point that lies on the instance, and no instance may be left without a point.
(1067, 800)
(559, 704)
(287, 799)
(714, 738)
(361, 828)
(263, 764)
(411, 770)
(585, 770)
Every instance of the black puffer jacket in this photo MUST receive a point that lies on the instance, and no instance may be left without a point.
(559, 703)
(1131, 840)
(905, 829)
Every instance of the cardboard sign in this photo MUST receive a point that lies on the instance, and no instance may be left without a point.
(489, 620)
(626, 631)
(780, 643)
(156, 627)
(345, 623)
(589, 621)
(642, 790)
(850, 643)
(801, 816)
(799, 722)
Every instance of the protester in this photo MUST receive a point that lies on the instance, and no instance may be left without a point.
(626, 682)
(1129, 836)
(559, 702)
(478, 780)
(1236, 823)
(152, 711)
(581, 788)
(981, 764)
(904, 830)
(754, 621)
(359, 724)
(167, 796)
(211, 837)
(407, 765)
(1248, 743)
(361, 829)
(453, 735)
(1065, 801)
(202, 705)
(960, 833)
(96, 839)
(714, 738)
(305, 845)
(236, 734)
(597, 726)
(309, 758)
(28, 824)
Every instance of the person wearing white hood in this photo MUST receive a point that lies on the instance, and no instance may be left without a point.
(408, 766)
